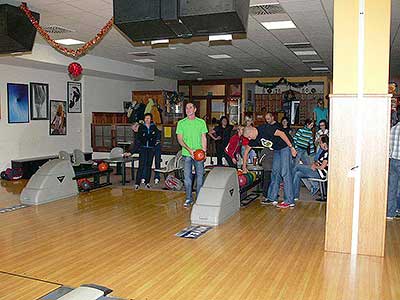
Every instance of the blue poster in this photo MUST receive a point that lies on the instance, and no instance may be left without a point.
(18, 104)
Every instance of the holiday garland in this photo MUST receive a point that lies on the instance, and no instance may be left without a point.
(282, 80)
(68, 52)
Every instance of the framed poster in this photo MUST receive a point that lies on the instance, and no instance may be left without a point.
(74, 97)
(39, 100)
(58, 117)
(17, 103)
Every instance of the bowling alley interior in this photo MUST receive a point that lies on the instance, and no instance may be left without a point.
(205, 150)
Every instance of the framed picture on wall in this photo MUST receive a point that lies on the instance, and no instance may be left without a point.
(74, 94)
(39, 100)
(17, 103)
(58, 117)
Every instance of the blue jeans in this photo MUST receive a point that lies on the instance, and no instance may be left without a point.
(303, 156)
(393, 193)
(199, 169)
(302, 171)
(157, 160)
(318, 153)
(281, 167)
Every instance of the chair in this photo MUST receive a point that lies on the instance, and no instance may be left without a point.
(64, 155)
(116, 152)
(322, 187)
(175, 164)
(78, 158)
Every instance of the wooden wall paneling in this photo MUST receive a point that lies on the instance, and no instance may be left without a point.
(341, 187)
(374, 175)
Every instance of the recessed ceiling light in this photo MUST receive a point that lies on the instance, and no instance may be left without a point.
(219, 56)
(191, 72)
(305, 52)
(69, 42)
(172, 47)
(145, 60)
(156, 42)
(221, 37)
(319, 69)
(251, 70)
(278, 25)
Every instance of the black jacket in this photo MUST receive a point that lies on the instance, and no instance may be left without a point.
(148, 137)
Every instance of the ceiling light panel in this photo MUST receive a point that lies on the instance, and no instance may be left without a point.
(145, 60)
(319, 69)
(220, 56)
(305, 52)
(69, 42)
(157, 42)
(222, 37)
(278, 25)
(251, 70)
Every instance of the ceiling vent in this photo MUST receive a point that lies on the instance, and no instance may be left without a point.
(184, 66)
(56, 29)
(215, 75)
(266, 9)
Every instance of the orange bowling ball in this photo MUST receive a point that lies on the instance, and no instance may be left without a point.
(103, 167)
(199, 155)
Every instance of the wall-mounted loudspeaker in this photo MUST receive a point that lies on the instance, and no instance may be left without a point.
(17, 33)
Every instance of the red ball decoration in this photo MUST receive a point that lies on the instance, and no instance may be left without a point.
(75, 70)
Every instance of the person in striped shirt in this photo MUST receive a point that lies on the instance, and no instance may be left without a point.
(303, 140)
(319, 169)
(394, 173)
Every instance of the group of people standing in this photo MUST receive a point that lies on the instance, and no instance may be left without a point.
(286, 168)
(293, 158)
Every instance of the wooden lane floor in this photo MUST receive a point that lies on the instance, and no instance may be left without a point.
(124, 239)
(18, 288)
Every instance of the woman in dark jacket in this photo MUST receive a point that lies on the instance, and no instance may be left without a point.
(221, 135)
(149, 137)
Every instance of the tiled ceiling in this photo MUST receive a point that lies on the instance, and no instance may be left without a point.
(262, 49)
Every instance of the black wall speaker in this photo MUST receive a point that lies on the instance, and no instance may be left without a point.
(17, 33)
(214, 16)
(167, 19)
(148, 20)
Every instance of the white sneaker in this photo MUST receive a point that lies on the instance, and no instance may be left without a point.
(156, 181)
(187, 203)
(136, 186)
(142, 181)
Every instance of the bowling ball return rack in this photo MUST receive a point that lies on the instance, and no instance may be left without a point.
(245, 196)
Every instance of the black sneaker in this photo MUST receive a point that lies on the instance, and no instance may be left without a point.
(266, 201)
(397, 216)
(148, 185)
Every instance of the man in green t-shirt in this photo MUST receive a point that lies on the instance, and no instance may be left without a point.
(191, 133)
